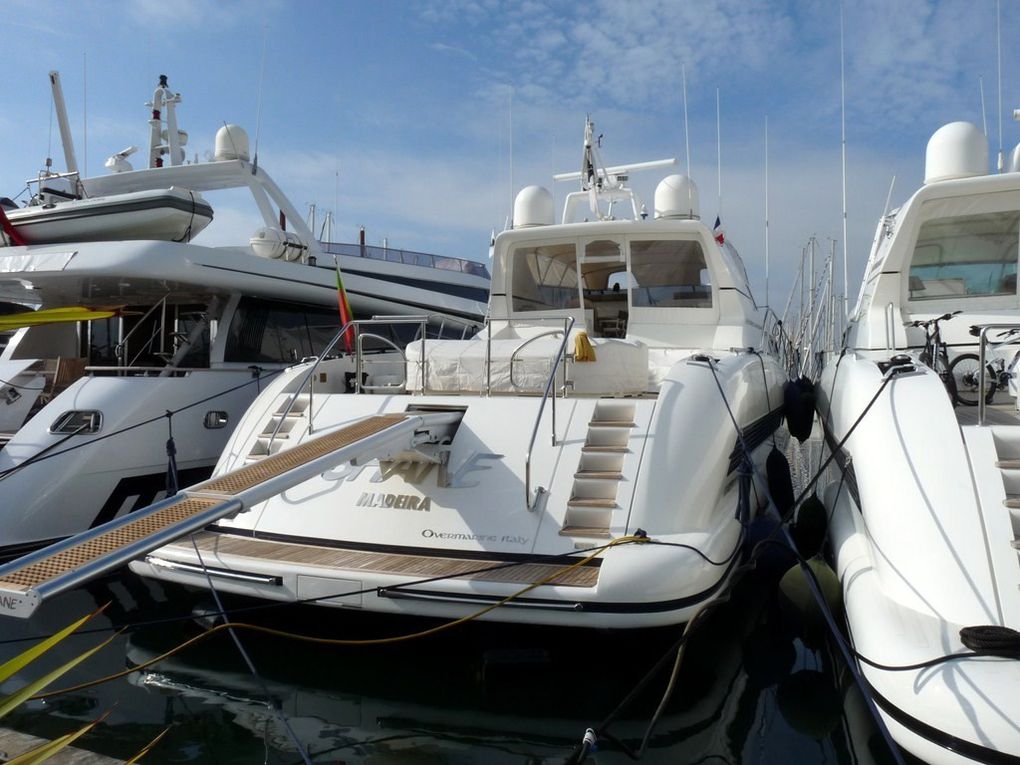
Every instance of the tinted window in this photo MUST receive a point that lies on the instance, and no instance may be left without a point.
(270, 331)
(545, 278)
(669, 274)
(965, 256)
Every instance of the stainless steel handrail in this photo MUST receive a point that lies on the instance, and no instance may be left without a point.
(359, 363)
(519, 348)
(307, 378)
(982, 365)
(561, 354)
(120, 348)
(357, 324)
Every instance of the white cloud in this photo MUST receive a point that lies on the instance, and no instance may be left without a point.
(453, 49)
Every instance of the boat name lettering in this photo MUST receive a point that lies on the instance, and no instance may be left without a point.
(416, 472)
(397, 501)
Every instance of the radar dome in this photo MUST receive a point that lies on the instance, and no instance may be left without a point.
(956, 150)
(533, 207)
(676, 196)
(1013, 164)
(231, 143)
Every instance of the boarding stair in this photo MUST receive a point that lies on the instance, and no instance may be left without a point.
(994, 453)
(28, 581)
(593, 497)
(1007, 462)
(289, 421)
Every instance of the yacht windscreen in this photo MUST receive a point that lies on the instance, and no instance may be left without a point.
(275, 331)
(545, 277)
(965, 256)
(669, 273)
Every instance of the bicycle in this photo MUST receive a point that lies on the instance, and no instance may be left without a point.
(934, 354)
(966, 370)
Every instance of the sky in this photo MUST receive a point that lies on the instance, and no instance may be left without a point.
(419, 119)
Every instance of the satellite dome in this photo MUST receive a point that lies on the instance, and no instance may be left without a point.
(533, 207)
(676, 196)
(956, 150)
(1013, 163)
(231, 143)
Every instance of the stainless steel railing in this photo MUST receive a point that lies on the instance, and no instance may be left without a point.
(308, 376)
(983, 364)
(560, 356)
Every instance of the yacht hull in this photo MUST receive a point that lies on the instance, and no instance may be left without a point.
(921, 541)
(646, 542)
(54, 485)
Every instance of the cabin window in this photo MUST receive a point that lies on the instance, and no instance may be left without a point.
(270, 331)
(669, 273)
(103, 335)
(603, 249)
(545, 277)
(965, 256)
(152, 337)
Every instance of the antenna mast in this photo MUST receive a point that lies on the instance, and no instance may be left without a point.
(718, 152)
(842, 123)
(687, 134)
(984, 111)
(766, 210)
(85, 112)
(258, 108)
(510, 139)
(998, 47)
(62, 123)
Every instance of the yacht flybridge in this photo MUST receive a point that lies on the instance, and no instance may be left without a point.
(114, 318)
(925, 520)
(584, 460)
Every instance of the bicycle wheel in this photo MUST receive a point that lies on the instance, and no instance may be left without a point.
(965, 372)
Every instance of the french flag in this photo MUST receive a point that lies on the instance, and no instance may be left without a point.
(717, 231)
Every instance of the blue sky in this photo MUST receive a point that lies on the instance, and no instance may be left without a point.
(410, 102)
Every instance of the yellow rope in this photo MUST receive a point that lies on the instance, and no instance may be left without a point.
(340, 641)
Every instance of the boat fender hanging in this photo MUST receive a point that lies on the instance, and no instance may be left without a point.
(798, 601)
(777, 471)
(799, 407)
(808, 530)
(992, 640)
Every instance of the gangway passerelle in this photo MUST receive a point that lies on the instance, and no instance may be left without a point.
(28, 581)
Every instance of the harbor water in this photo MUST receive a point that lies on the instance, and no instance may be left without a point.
(758, 683)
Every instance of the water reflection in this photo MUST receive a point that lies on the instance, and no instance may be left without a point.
(748, 691)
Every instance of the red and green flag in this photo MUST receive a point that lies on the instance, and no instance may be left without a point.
(346, 314)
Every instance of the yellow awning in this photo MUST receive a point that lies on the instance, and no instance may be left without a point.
(54, 316)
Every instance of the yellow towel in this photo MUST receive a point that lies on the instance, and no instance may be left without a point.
(583, 350)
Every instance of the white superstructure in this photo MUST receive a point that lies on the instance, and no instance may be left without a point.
(194, 330)
(586, 446)
(924, 518)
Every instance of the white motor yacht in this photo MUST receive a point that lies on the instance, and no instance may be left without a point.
(124, 325)
(924, 516)
(586, 460)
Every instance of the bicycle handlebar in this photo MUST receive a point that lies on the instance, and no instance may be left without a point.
(929, 322)
(975, 330)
